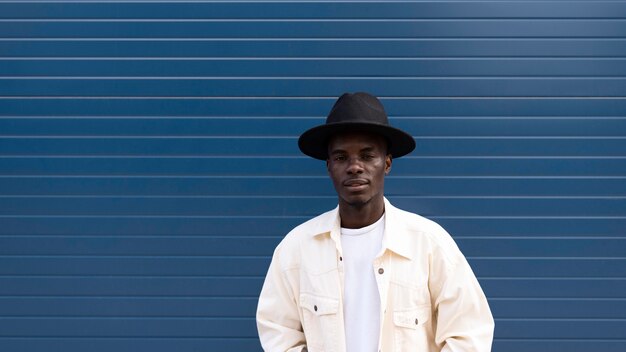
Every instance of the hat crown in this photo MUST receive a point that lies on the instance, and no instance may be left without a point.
(358, 112)
(358, 107)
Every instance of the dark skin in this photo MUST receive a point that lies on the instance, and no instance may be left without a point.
(357, 164)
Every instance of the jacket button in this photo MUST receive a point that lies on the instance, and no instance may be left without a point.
(416, 321)
(340, 259)
(381, 270)
(315, 308)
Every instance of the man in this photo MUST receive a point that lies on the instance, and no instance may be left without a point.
(368, 276)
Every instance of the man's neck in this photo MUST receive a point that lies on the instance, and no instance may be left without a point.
(354, 217)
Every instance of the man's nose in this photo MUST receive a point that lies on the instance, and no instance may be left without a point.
(354, 166)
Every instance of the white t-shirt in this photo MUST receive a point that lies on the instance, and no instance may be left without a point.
(361, 299)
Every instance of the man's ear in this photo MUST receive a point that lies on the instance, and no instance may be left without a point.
(388, 161)
(327, 166)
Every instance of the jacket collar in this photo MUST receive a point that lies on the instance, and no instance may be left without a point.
(395, 237)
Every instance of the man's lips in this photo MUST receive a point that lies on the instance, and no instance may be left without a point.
(355, 182)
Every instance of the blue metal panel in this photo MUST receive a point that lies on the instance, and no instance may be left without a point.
(131, 344)
(364, 48)
(461, 28)
(402, 106)
(331, 67)
(148, 163)
(130, 306)
(301, 87)
(312, 9)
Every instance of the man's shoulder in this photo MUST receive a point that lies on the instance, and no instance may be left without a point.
(418, 223)
(321, 223)
(423, 229)
(299, 240)
(308, 229)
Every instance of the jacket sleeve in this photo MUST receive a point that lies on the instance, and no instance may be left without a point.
(464, 320)
(277, 316)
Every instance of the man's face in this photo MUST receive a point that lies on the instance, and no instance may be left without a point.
(357, 164)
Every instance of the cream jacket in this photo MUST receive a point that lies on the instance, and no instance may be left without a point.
(430, 298)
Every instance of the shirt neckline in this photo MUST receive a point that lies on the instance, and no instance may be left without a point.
(363, 230)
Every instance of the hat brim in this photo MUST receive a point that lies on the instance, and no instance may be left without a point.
(314, 142)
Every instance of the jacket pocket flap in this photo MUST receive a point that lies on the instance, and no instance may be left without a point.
(319, 305)
(411, 318)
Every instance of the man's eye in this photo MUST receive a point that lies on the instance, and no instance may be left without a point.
(340, 158)
(368, 157)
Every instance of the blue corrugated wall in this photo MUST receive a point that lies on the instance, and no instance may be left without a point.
(148, 159)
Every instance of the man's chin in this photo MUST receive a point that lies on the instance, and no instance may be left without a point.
(357, 201)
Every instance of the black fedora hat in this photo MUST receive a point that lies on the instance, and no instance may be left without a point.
(360, 112)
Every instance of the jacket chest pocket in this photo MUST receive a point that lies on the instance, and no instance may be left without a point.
(320, 322)
(411, 329)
